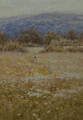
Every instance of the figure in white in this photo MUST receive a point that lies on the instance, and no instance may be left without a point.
(35, 59)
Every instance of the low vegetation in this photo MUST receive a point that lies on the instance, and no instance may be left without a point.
(13, 46)
(41, 90)
(51, 40)
(29, 100)
(49, 88)
(52, 48)
(74, 49)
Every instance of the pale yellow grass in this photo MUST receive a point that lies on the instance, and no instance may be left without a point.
(49, 89)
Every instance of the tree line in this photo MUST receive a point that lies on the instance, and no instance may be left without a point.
(33, 36)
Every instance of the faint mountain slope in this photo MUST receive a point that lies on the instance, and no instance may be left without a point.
(58, 22)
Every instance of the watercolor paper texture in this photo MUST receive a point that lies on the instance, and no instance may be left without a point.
(41, 59)
(19, 7)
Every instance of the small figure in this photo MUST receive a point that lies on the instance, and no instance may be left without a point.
(35, 59)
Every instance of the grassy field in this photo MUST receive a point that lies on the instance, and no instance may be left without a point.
(49, 89)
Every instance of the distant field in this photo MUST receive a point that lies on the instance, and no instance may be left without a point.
(35, 49)
(49, 89)
(67, 65)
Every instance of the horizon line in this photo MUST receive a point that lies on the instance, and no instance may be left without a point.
(59, 12)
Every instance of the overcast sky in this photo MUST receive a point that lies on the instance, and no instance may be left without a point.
(19, 7)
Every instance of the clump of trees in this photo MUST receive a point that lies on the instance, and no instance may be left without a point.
(26, 36)
(71, 34)
(3, 38)
(49, 37)
(32, 36)
(81, 37)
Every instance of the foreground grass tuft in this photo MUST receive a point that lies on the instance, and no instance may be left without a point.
(28, 101)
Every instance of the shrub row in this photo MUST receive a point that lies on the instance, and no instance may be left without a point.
(13, 46)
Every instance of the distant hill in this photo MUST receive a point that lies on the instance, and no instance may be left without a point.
(43, 23)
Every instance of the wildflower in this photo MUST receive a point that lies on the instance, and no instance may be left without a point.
(34, 115)
(48, 111)
(47, 92)
(18, 114)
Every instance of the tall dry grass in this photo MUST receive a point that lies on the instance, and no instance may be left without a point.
(32, 101)
(64, 45)
(13, 46)
(63, 49)
(32, 90)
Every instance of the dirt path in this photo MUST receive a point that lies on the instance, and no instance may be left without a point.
(35, 49)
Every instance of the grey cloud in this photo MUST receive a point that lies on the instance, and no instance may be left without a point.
(18, 7)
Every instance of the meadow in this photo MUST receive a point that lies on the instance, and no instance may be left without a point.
(50, 88)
